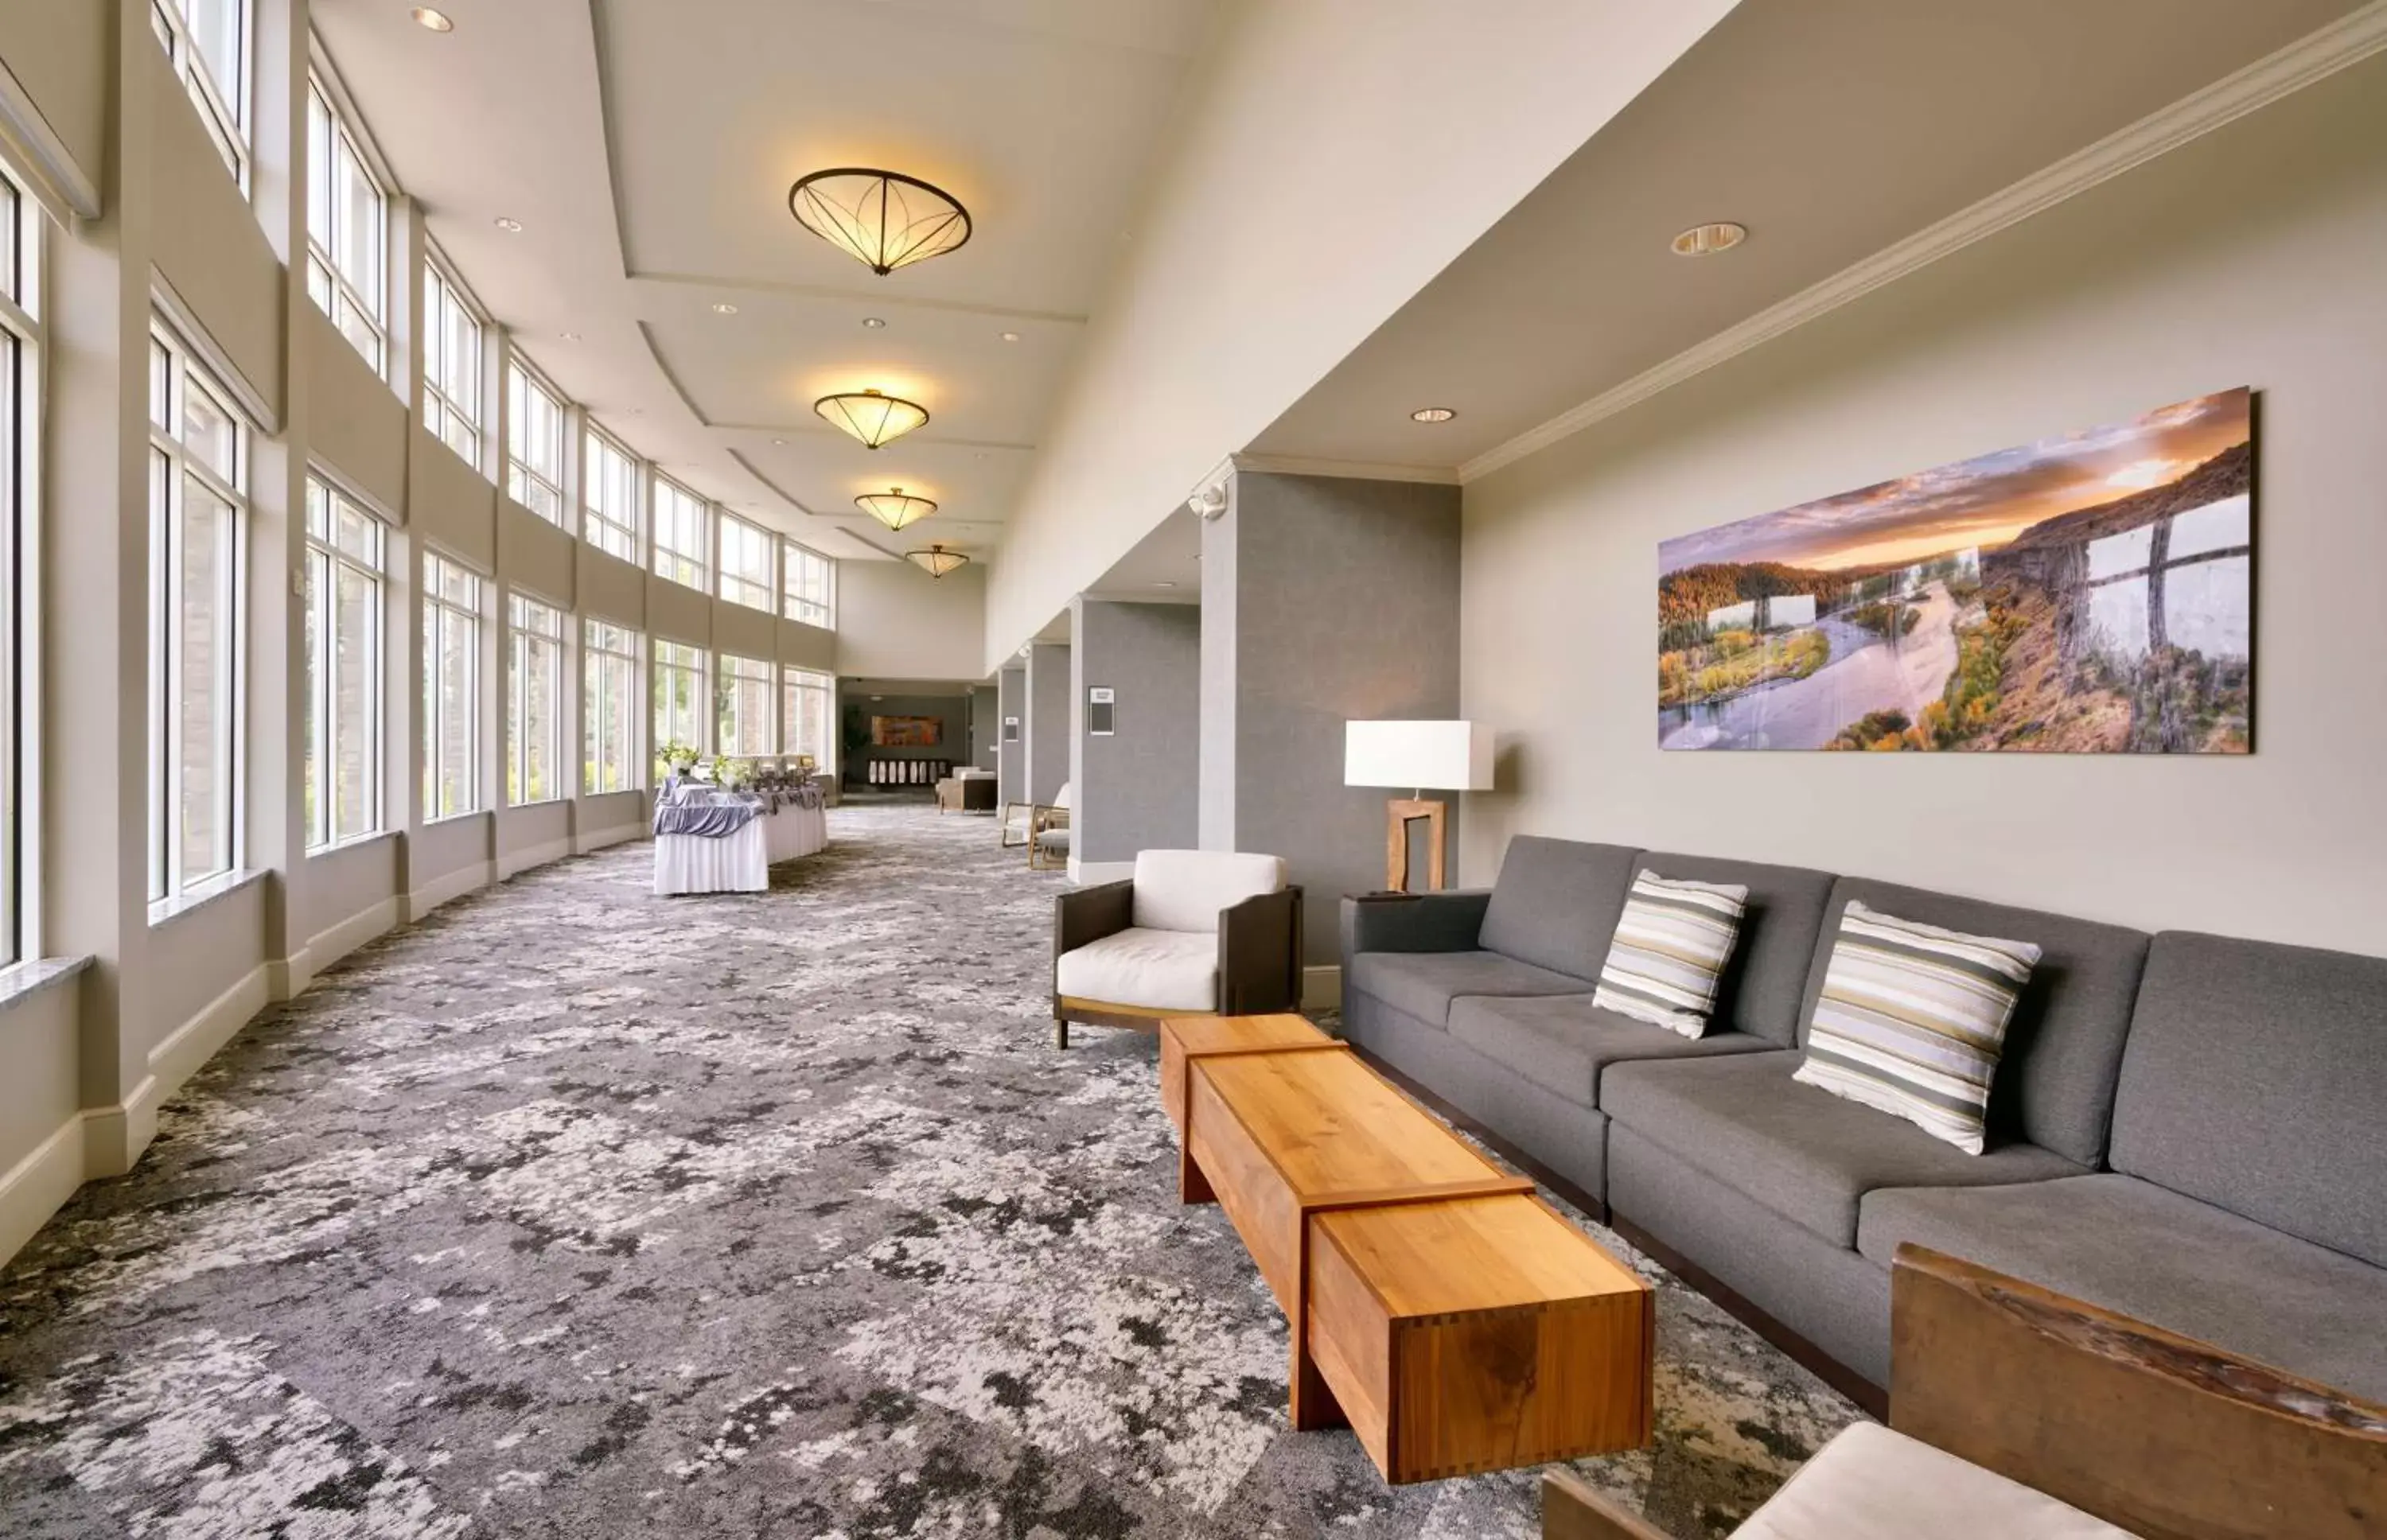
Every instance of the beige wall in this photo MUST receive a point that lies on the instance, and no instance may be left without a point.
(60, 59)
(2250, 258)
(895, 621)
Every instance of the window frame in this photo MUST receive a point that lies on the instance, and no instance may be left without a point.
(328, 284)
(327, 555)
(793, 680)
(172, 468)
(443, 292)
(519, 635)
(670, 561)
(522, 382)
(223, 114)
(753, 593)
(597, 655)
(437, 610)
(23, 393)
(731, 670)
(794, 557)
(665, 655)
(599, 528)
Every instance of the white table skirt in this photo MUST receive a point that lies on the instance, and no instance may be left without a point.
(740, 863)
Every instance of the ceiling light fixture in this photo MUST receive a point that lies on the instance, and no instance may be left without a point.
(936, 561)
(723, 307)
(1706, 240)
(895, 507)
(1011, 336)
(569, 336)
(883, 219)
(435, 20)
(872, 416)
(874, 322)
(778, 441)
(1164, 585)
(1432, 414)
(510, 225)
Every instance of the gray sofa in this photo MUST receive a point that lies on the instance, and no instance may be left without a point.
(2189, 1129)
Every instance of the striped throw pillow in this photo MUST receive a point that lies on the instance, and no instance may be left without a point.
(1912, 1021)
(1672, 943)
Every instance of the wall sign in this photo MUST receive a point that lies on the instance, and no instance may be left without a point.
(1101, 701)
(1011, 730)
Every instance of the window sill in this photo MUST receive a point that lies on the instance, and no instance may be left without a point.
(455, 817)
(192, 899)
(24, 980)
(543, 801)
(354, 841)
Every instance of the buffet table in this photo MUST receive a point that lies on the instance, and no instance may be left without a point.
(711, 841)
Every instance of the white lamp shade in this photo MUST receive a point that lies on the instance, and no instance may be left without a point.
(1439, 756)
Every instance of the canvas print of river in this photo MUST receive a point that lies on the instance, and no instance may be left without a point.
(2090, 593)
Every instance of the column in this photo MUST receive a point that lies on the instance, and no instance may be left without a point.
(1136, 786)
(1047, 727)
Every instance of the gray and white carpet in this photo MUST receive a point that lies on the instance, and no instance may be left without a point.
(575, 1212)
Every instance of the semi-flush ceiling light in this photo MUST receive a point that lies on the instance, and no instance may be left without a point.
(873, 321)
(883, 219)
(895, 507)
(1010, 336)
(1432, 414)
(936, 561)
(725, 308)
(510, 225)
(436, 20)
(872, 416)
(1706, 240)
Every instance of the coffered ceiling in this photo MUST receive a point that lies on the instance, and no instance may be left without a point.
(646, 149)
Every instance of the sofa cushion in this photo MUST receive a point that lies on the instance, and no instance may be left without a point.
(1162, 969)
(1780, 921)
(2256, 1079)
(1871, 1483)
(1803, 1153)
(1556, 903)
(1422, 984)
(1186, 889)
(1672, 940)
(2163, 1259)
(1562, 1042)
(2055, 1085)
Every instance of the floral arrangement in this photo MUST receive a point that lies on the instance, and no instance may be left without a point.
(732, 774)
(680, 757)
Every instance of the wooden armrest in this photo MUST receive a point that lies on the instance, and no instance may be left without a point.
(1572, 1510)
(2165, 1436)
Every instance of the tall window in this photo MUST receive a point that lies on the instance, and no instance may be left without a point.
(608, 707)
(21, 406)
(451, 366)
(745, 707)
(451, 689)
(608, 496)
(208, 41)
(811, 586)
(344, 612)
(534, 445)
(745, 563)
(679, 695)
(347, 229)
(199, 473)
(804, 729)
(680, 520)
(533, 702)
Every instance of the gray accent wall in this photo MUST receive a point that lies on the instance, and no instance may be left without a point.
(985, 725)
(1047, 729)
(1011, 757)
(1325, 599)
(953, 740)
(1138, 785)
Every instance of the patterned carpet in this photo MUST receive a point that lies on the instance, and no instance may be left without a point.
(575, 1212)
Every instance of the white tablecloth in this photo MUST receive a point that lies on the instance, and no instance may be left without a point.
(740, 863)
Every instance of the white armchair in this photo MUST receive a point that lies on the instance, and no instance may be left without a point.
(1193, 933)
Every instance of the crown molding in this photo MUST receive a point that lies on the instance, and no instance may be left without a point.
(1350, 469)
(2347, 42)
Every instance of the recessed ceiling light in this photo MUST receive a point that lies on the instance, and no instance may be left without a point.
(874, 322)
(435, 20)
(778, 441)
(569, 336)
(1432, 414)
(509, 225)
(725, 308)
(1011, 336)
(1706, 240)
(1164, 585)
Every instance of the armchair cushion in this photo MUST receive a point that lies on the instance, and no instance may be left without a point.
(1159, 970)
(1186, 889)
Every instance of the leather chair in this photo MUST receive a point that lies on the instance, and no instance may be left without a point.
(1193, 933)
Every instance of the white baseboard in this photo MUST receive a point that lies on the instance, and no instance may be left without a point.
(621, 834)
(447, 889)
(39, 1185)
(1322, 988)
(1085, 874)
(113, 1137)
(326, 947)
(183, 1050)
(508, 863)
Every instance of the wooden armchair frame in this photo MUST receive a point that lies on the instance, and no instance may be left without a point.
(2161, 1435)
(1042, 819)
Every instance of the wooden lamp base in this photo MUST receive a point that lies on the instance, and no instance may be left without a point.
(1401, 811)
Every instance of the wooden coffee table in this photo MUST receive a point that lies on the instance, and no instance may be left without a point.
(1454, 1320)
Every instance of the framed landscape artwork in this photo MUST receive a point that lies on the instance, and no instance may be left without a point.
(2089, 593)
(906, 732)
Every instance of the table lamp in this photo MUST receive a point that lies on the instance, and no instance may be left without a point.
(1441, 756)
